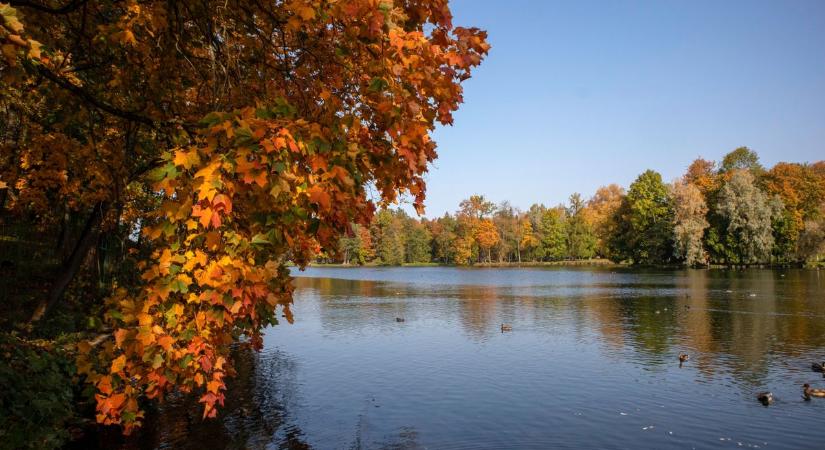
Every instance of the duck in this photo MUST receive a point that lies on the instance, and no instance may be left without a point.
(506, 327)
(808, 392)
(766, 398)
(818, 367)
(400, 319)
(683, 357)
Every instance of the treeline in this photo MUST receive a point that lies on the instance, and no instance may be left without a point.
(734, 212)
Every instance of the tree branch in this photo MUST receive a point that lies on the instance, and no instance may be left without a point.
(103, 106)
(65, 9)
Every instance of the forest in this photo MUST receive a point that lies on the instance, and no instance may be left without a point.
(733, 212)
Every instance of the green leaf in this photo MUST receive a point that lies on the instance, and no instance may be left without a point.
(260, 239)
(185, 361)
(378, 84)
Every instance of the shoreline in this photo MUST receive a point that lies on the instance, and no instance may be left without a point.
(577, 263)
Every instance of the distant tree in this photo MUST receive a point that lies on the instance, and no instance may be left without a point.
(507, 223)
(812, 239)
(356, 246)
(689, 223)
(390, 237)
(444, 235)
(463, 249)
(477, 207)
(644, 231)
(600, 212)
(366, 252)
(486, 235)
(747, 214)
(529, 241)
(802, 191)
(347, 246)
(417, 242)
(553, 233)
(581, 241)
(742, 158)
(702, 174)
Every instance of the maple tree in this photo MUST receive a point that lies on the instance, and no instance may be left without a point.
(233, 137)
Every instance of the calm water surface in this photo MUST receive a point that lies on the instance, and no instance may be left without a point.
(591, 362)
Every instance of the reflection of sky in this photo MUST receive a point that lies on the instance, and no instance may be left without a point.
(586, 347)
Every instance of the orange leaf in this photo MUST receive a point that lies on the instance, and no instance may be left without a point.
(118, 364)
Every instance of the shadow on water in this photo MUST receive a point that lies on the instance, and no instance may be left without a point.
(254, 416)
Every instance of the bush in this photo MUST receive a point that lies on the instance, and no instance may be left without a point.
(36, 401)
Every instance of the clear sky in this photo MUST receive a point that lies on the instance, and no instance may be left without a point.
(578, 94)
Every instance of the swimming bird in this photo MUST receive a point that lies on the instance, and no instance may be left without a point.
(506, 327)
(399, 319)
(818, 367)
(808, 392)
(766, 398)
(683, 357)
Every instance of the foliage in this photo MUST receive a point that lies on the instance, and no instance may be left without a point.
(742, 158)
(36, 402)
(645, 231)
(599, 214)
(581, 240)
(221, 141)
(552, 226)
(748, 215)
(689, 223)
(802, 192)
(686, 222)
(418, 243)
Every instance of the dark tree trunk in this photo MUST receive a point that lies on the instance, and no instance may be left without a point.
(71, 266)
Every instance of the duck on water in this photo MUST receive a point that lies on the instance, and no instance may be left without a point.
(808, 392)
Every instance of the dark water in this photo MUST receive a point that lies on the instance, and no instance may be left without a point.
(591, 362)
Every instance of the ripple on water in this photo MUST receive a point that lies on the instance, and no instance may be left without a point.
(591, 362)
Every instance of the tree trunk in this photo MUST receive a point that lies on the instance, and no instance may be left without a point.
(71, 266)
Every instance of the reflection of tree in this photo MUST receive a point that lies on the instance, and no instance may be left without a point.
(736, 321)
(477, 309)
(253, 414)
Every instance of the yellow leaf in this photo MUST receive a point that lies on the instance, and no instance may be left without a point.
(118, 364)
(187, 159)
(306, 12)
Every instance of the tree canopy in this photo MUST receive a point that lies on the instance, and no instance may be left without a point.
(223, 140)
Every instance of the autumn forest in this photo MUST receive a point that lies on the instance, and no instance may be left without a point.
(730, 213)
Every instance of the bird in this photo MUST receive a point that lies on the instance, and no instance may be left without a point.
(766, 398)
(808, 392)
(399, 319)
(506, 327)
(683, 357)
(818, 367)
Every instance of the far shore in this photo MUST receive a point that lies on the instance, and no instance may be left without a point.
(596, 262)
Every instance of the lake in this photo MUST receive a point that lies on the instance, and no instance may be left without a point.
(591, 362)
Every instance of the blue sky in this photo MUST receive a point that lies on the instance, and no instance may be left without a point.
(579, 94)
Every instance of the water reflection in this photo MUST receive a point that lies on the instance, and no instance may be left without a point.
(591, 362)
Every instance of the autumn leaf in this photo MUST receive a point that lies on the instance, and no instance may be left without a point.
(118, 364)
